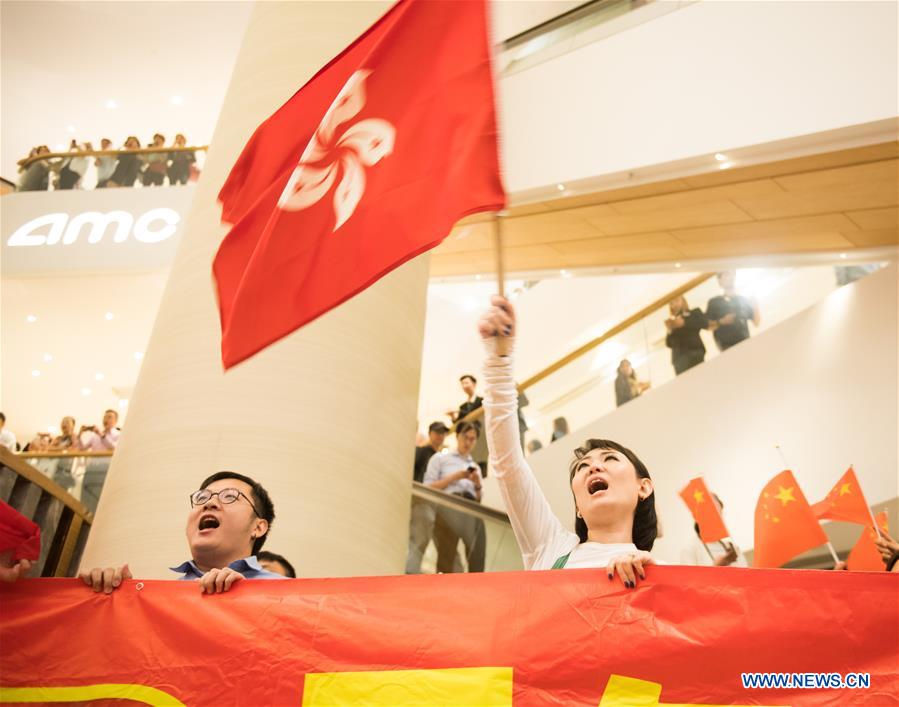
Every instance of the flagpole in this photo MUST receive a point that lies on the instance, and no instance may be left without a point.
(833, 552)
(870, 512)
(711, 556)
(498, 240)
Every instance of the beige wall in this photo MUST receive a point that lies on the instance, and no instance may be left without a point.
(821, 384)
(325, 418)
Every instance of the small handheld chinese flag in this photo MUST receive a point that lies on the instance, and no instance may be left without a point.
(844, 502)
(705, 511)
(784, 523)
(865, 557)
(18, 536)
(366, 166)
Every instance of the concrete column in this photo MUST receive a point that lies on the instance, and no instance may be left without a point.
(325, 418)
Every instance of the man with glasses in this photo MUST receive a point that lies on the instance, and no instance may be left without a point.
(229, 519)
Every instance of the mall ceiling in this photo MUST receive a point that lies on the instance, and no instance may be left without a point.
(827, 202)
(87, 70)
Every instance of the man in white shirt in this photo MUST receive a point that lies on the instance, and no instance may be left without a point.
(457, 473)
(7, 438)
(105, 164)
(104, 440)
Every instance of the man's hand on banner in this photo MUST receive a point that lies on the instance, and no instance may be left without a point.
(218, 581)
(629, 567)
(105, 579)
(11, 571)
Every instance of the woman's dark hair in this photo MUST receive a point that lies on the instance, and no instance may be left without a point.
(463, 427)
(474, 381)
(262, 503)
(275, 557)
(646, 523)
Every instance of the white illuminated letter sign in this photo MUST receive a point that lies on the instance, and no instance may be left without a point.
(23, 235)
(145, 234)
(99, 224)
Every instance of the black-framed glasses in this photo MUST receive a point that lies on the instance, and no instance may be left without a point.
(226, 496)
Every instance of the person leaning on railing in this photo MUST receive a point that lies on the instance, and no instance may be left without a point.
(614, 499)
(180, 162)
(157, 163)
(105, 164)
(127, 166)
(36, 176)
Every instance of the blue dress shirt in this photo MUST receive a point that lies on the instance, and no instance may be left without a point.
(249, 567)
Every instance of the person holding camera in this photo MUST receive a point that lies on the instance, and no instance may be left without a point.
(457, 473)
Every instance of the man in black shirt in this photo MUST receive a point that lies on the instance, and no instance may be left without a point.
(683, 337)
(436, 435)
(729, 314)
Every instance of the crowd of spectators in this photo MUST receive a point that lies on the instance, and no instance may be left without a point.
(122, 169)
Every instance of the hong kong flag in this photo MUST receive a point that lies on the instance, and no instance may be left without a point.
(784, 523)
(366, 166)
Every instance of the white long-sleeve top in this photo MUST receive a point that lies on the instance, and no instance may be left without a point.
(541, 536)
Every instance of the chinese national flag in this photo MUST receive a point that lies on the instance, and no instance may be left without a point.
(845, 502)
(366, 166)
(18, 536)
(865, 557)
(705, 511)
(784, 523)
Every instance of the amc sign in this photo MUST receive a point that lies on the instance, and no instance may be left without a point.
(101, 231)
(153, 226)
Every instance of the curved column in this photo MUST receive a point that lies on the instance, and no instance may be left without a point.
(325, 418)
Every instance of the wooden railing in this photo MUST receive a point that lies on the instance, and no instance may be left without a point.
(27, 161)
(601, 339)
(64, 521)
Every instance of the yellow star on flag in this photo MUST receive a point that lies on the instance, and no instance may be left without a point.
(697, 496)
(845, 489)
(784, 495)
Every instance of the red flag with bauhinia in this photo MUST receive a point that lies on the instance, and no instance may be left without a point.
(784, 523)
(864, 556)
(844, 502)
(368, 165)
(18, 536)
(705, 511)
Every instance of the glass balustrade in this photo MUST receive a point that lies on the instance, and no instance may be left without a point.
(81, 474)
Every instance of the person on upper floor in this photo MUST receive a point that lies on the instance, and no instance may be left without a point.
(229, 520)
(68, 439)
(614, 499)
(684, 340)
(157, 163)
(627, 387)
(729, 314)
(105, 164)
(102, 440)
(36, 176)
(7, 438)
(180, 162)
(127, 165)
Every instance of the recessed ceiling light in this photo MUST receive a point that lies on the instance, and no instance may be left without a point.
(842, 256)
(48, 358)
(99, 376)
(138, 355)
(109, 316)
(677, 265)
(70, 128)
(725, 165)
(560, 187)
(477, 277)
(35, 373)
(564, 273)
(31, 319)
(720, 157)
(176, 100)
(123, 403)
(112, 103)
(85, 392)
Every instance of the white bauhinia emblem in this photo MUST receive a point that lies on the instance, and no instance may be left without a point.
(330, 157)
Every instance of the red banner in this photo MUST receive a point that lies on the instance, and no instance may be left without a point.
(569, 637)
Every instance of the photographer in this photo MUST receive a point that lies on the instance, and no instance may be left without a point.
(457, 473)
